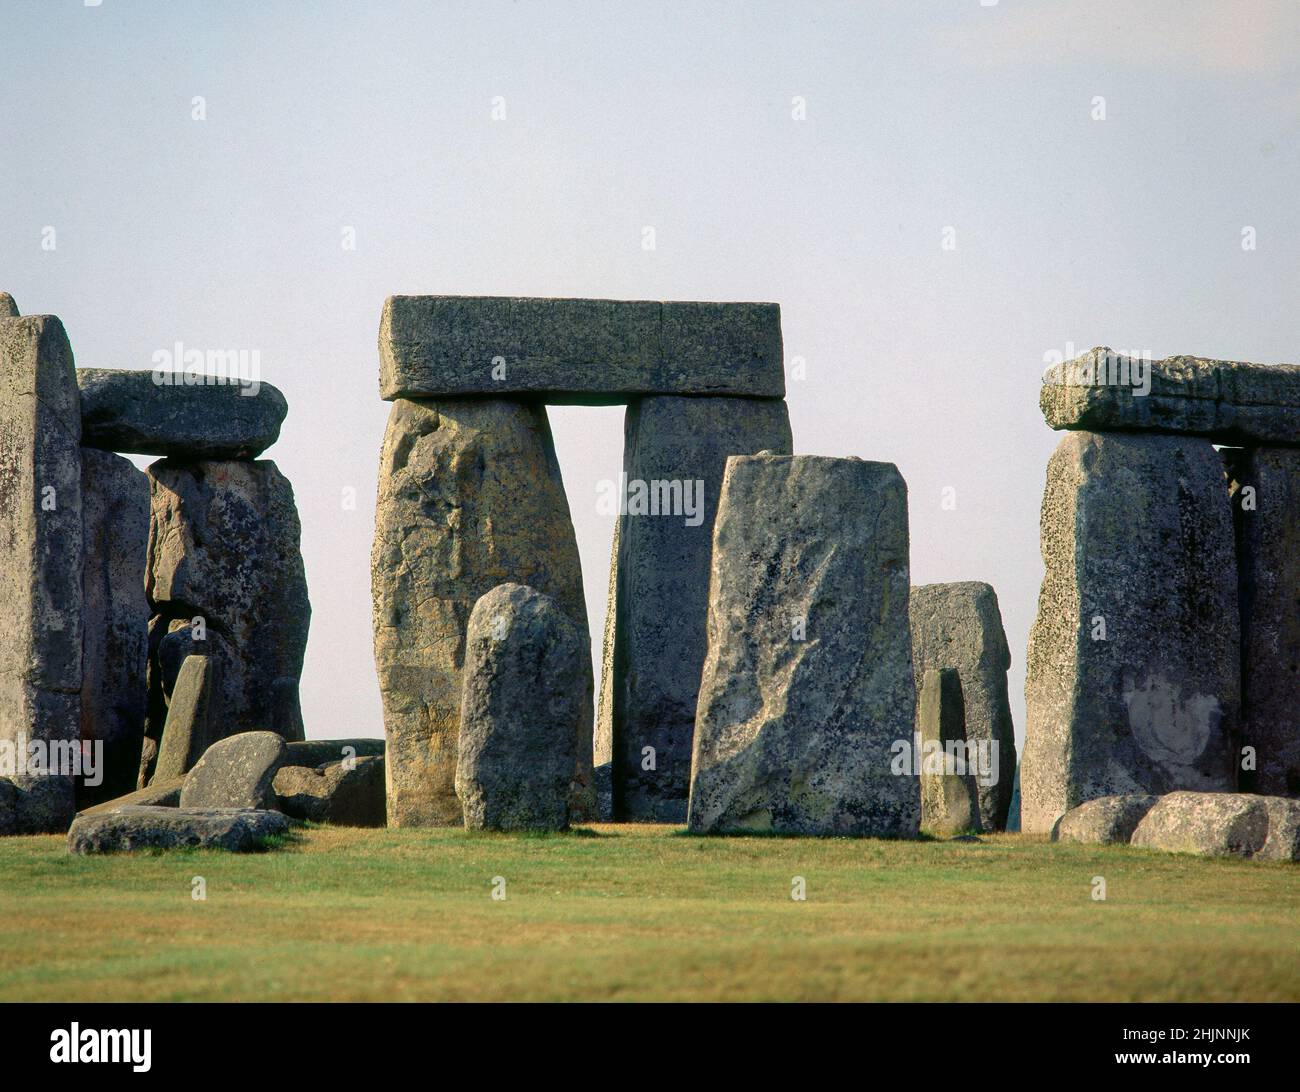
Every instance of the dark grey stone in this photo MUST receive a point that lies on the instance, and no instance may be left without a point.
(238, 830)
(191, 727)
(949, 798)
(313, 753)
(1107, 820)
(345, 794)
(161, 794)
(236, 772)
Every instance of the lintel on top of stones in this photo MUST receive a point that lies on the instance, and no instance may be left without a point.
(577, 351)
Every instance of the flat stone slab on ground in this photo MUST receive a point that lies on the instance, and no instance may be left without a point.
(1227, 402)
(129, 411)
(594, 352)
(239, 830)
(161, 794)
(1107, 820)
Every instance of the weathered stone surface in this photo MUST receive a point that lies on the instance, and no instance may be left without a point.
(161, 794)
(224, 546)
(1107, 820)
(949, 798)
(589, 352)
(322, 752)
(129, 411)
(960, 626)
(115, 626)
(8, 309)
(1134, 659)
(1225, 401)
(238, 830)
(1266, 502)
(795, 735)
(347, 794)
(191, 727)
(522, 697)
(40, 546)
(236, 772)
(1223, 824)
(603, 743)
(675, 452)
(36, 804)
(470, 496)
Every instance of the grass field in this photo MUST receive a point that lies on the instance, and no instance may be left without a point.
(644, 913)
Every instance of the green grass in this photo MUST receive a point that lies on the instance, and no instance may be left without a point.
(644, 913)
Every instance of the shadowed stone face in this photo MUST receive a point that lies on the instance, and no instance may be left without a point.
(807, 686)
(470, 497)
(1134, 659)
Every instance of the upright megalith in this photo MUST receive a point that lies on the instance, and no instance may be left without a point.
(225, 560)
(40, 569)
(1266, 509)
(8, 309)
(959, 626)
(470, 497)
(674, 455)
(1134, 659)
(523, 697)
(191, 726)
(807, 685)
(949, 799)
(115, 633)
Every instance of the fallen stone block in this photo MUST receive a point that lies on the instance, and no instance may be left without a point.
(523, 690)
(1107, 820)
(959, 626)
(1224, 401)
(161, 794)
(1223, 824)
(314, 753)
(237, 830)
(236, 772)
(949, 798)
(591, 352)
(807, 685)
(345, 794)
(1134, 673)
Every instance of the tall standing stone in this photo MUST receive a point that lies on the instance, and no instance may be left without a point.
(191, 727)
(1266, 508)
(603, 743)
(675, 452)
(949, 799)
(807, 686)
(115, 637)
(960, 626)
(522, 701)
(470, 496)
(1134, 659)
(224, 547)
(40, 558)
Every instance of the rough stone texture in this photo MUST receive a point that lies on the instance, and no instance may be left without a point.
(236, 772)
(239, 830)
(1223, 824)
(589, 352)
(522, 700)
(191, 726)
(322, 752)
(161, 794)
(1268, 575)
(603, 742)
(347, 794)
(224, 545)
(115, 622)
(8, 309)
(960, 626)
(1107, 820)
(128, 411)
(1225, 401)
(662, 578)
(36, 804)
(1136, 535)
(470, 496)
(949, 800)
(40, 547)
(795, 736)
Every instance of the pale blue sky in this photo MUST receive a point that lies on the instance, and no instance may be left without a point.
(226, 233)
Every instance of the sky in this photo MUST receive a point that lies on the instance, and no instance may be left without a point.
(940, 194)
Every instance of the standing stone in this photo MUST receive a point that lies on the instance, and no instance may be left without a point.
(236, 772)
(522, 701)
(8, 309)
(190, 728)
(1266, 509)
(115, 636)
(949, 799)
(470, 496)
(960, 626)
(603, 743)
(1134, 659)
(40, 564)
(807, 686)
(675, 452)
(224, 547)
